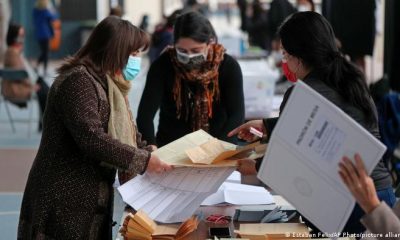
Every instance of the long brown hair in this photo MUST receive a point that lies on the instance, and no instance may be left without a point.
(108, 48)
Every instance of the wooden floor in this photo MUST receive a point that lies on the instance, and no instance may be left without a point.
(14, 168)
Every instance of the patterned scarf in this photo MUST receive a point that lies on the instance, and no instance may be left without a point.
(196, 102)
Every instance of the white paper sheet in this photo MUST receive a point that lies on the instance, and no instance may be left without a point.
(239, 194)
(235, 177)
(173, 196)
(302, 159)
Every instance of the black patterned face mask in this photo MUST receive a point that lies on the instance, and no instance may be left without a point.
(191, 60)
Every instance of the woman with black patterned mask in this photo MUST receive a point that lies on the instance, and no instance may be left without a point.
(195, 84)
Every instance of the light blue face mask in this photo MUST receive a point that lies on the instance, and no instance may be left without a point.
(132, 68)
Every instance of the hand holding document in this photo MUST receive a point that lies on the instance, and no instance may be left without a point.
(199, 149)
(305, 148)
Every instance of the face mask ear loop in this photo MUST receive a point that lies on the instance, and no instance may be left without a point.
(297, 69)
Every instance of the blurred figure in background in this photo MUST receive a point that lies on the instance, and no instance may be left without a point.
(42, 20)
(144, 24)
(278, 11)
(19, 92)
(354, 24)
(163, 36)
(194, 5)
(242, 4)
(5, 14)
(116, 11)
(257, 25)
(305, 5)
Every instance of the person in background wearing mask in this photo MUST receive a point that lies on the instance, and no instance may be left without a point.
(379, 218)
(19, 92)
(311, 55)
(305, 5)
(195, 84)
(88, 134)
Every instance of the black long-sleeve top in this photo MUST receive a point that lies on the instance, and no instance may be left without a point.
(228, 112)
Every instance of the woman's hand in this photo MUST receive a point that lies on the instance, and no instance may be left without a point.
(153, 147)
(247, 167)
(244, 133)
(359, 183)
(157, 166)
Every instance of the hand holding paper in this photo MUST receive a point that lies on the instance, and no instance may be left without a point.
(199, 149)
(245, 131)
(157, 166)
(307, 143)
(359, 183)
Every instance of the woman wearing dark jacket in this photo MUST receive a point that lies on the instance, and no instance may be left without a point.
(310, 54)
(195, 84)
(88, 134)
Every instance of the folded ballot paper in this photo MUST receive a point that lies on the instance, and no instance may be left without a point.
(200, 149)
(140, 226)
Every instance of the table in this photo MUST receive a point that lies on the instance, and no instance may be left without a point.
(202, 230)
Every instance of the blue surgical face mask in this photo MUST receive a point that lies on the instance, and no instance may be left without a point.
(132, 68)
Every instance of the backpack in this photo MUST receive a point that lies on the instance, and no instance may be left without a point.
(389, 120)
(389, 126)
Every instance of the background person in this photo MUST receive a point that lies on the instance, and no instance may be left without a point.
(163, 36)
(19, 92)
(42, 21)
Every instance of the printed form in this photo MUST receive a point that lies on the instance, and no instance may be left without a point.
(301, 162)
(173, 196)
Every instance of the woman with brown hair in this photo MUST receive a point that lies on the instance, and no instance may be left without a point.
(195, 84)
(88, 134)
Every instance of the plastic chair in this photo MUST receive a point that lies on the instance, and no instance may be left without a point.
(15, 75)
